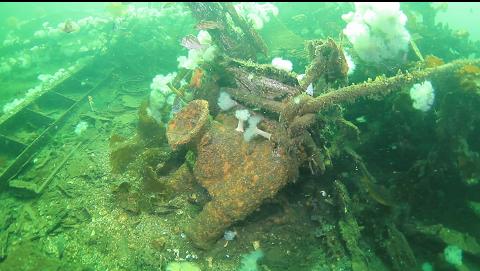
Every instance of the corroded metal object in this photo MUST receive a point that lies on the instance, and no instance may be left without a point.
(188, 125)
(238, 175)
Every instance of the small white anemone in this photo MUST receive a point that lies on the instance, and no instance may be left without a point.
(253, 131)
(81, 127)
(300, 77)
(422, 95)
(12, 105)
(242, 115)
(160, 81)
(225, 102)
(351, 65)
(282, 64)
(310, 90)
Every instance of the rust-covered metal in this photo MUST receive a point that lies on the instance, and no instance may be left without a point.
(188, 125)
(238, 175)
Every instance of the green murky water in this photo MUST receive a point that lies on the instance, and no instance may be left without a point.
(243, 136)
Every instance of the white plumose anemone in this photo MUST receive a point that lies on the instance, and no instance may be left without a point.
(160, 94)
(225, 102)
(199, 55)
(422, 95)
(377, 31)
(242, 115)
(282, 64)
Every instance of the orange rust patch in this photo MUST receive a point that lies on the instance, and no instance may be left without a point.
(432, 61)
(238, 175)
(188, 123)
(196, 81)
(470, 69)
(226, 168)
(249, 165)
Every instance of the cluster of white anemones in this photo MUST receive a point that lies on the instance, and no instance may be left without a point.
(196, 56)
(377, 31)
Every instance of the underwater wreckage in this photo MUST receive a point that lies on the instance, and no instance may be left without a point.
(240, 175)
(66, 94)
(314, 171)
